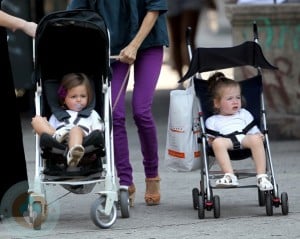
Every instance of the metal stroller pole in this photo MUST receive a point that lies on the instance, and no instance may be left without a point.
(264, 121)
(188, 41)
(203, 168)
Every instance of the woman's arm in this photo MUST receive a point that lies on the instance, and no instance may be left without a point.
(128, 54)
(16, 23)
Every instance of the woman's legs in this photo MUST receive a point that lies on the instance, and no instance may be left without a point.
(121, 150)
(146, 73)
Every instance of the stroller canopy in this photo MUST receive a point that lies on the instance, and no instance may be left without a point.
(71, 41)
(209, 59)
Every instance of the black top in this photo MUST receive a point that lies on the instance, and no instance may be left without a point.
(15, 183)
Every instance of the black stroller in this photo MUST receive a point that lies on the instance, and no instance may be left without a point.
(247, 54)
(74, 41)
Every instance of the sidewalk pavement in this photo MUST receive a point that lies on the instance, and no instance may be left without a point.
(241, 217)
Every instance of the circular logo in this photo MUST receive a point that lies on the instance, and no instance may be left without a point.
(18, 213)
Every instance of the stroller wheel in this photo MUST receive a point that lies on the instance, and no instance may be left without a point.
(37, 215)
(124, 203)
(284, 203)
(269, 204)
(195, 194)
(201, 212)
(98, 215)
(216, 201)
(261, 198)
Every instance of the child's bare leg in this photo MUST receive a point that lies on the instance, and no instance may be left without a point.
(220, 147)
(76, 150)
(255, 143)
(75, 136)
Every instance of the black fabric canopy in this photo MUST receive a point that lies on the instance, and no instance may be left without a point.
(209, 59)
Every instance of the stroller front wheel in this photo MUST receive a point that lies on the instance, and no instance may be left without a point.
(98, 215)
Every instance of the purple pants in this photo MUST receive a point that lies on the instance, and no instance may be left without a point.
(147, 68)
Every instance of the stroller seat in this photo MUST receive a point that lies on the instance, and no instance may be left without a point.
(251, 90)
(55, 153)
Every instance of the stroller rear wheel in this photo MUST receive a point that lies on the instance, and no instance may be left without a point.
(269, 204)
(195, 194)
(261, 198)
(217, 208)
(284, 203)
(201, 212)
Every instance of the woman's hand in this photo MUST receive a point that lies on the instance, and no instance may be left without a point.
(128, 54)
(29, 28)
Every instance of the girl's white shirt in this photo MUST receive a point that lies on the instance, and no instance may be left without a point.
(226, 124)
(93, 122)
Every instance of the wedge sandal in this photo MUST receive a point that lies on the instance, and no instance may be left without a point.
(152, 194)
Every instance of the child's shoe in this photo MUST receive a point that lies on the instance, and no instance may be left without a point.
(74, 155)
(61, 134)
(229, 180)
(152, 194)
(263, 182)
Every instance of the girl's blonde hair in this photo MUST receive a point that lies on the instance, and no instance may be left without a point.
(72, 80)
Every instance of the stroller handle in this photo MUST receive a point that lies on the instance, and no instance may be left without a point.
(255, 32)
(188, 41)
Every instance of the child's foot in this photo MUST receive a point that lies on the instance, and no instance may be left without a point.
(61, 134)
(74, 155)
(263, 182)
(229, 180)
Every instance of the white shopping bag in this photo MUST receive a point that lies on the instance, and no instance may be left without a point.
(182, 149)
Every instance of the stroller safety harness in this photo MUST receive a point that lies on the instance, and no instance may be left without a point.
(232, 136)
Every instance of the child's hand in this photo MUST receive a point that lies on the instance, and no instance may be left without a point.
(262, 136)
(210, 140)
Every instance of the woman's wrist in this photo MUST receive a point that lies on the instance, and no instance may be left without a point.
(19, 24)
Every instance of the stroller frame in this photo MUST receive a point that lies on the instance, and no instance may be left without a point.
(209, 59)
(66, 32)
